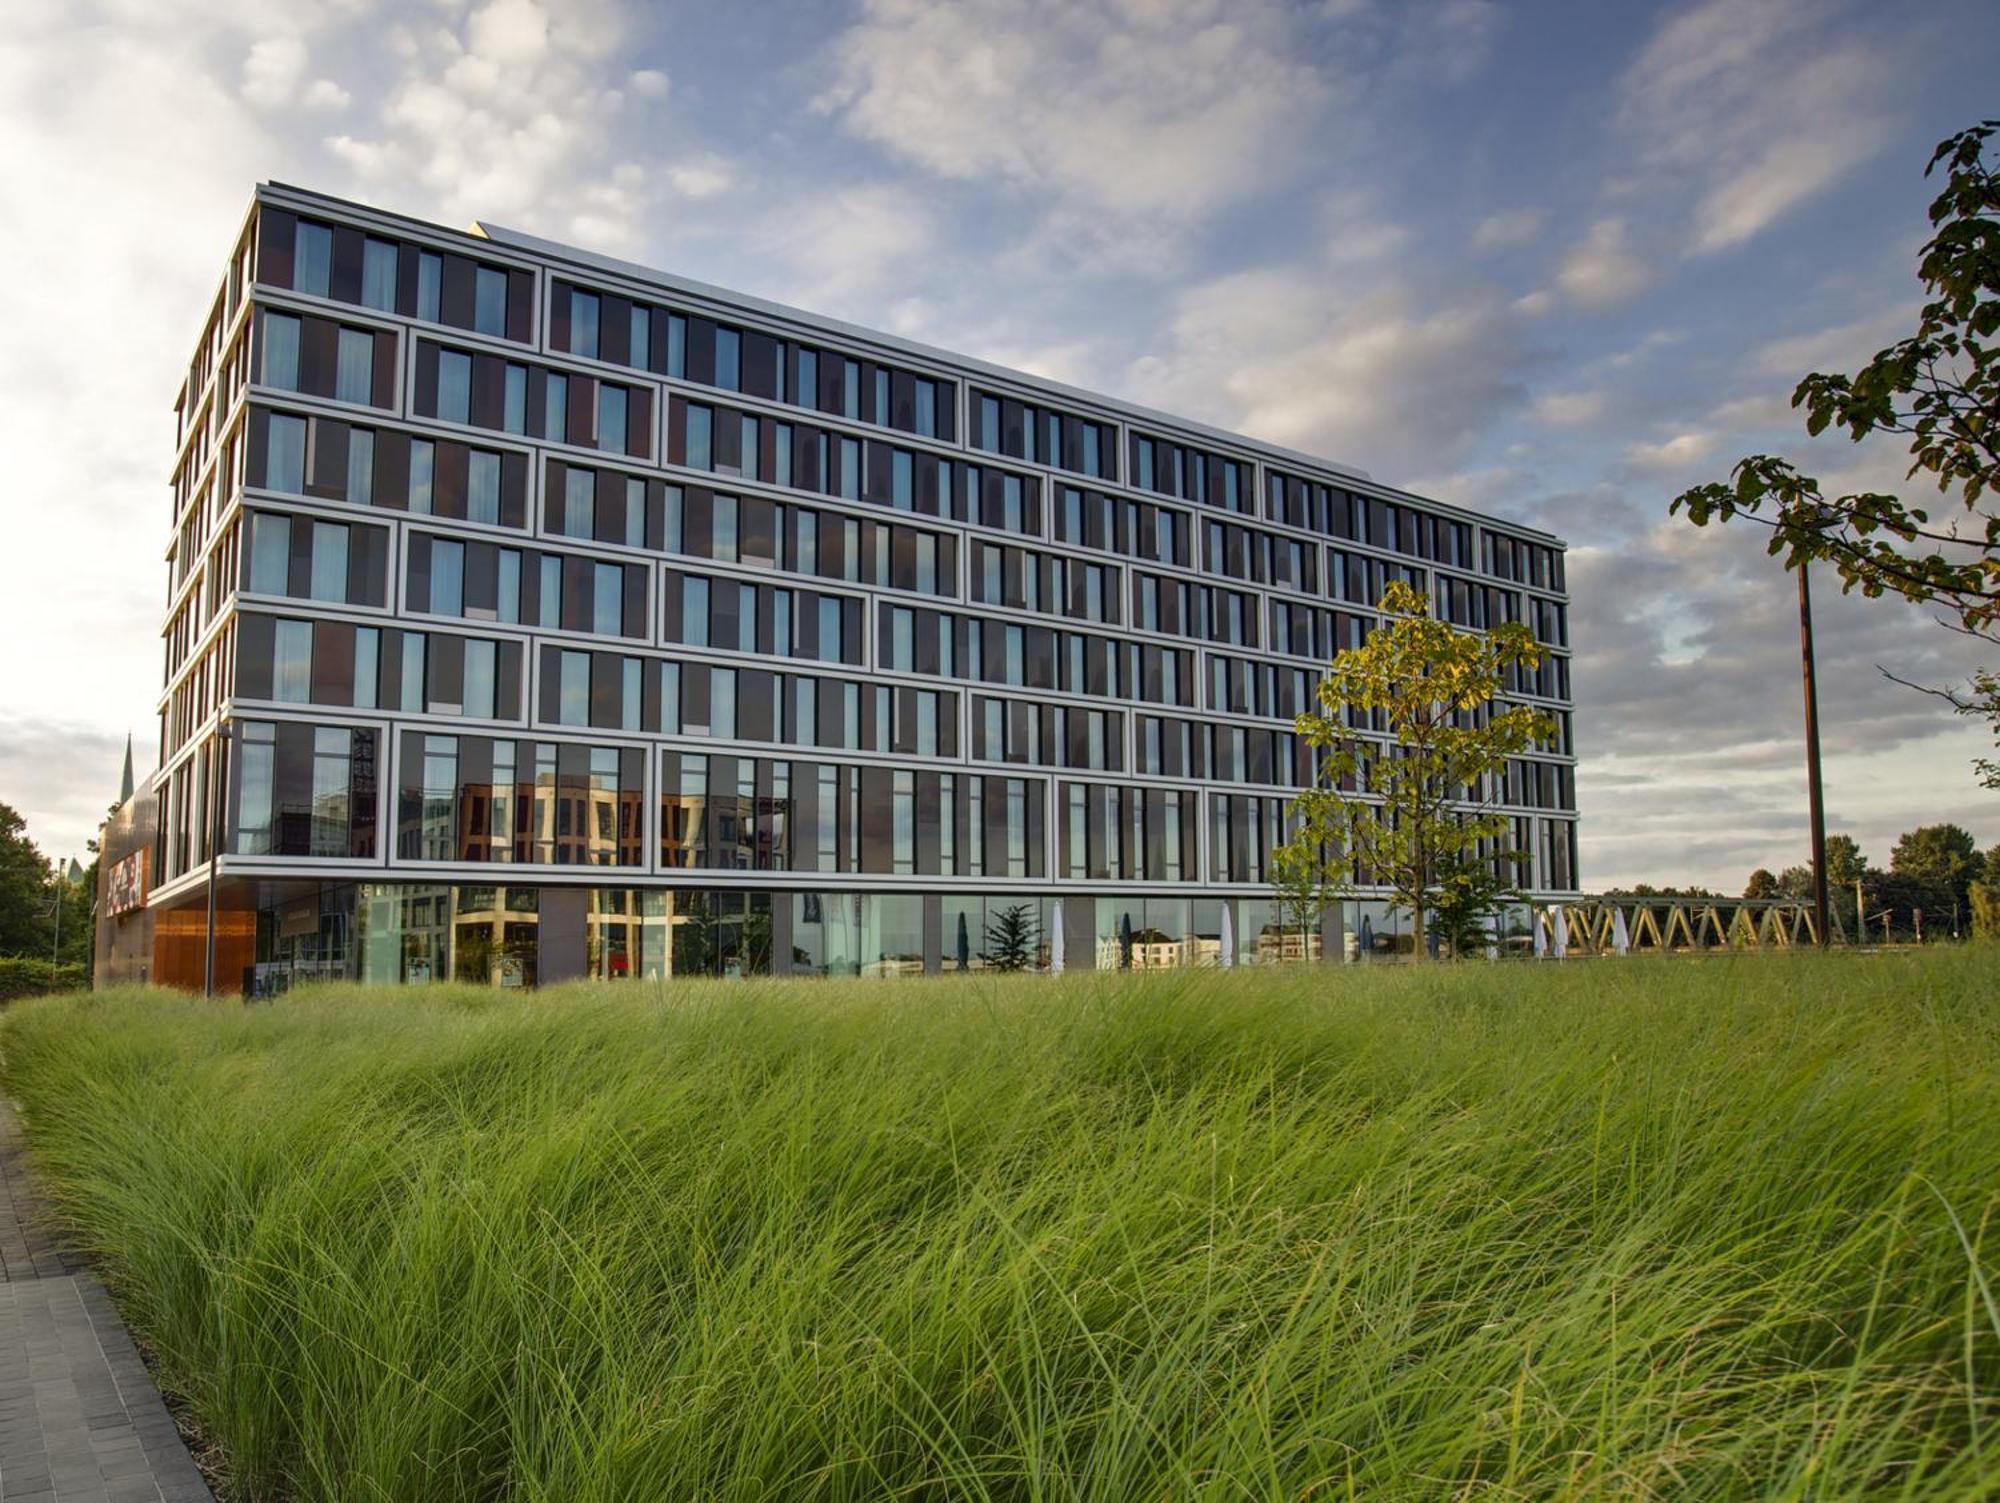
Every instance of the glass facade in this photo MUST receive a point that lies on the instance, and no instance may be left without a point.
(829, 654)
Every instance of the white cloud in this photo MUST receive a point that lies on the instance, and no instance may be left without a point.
(1569, 409)
(1838, 347)
(843, 245)
(1602, 271)
(271, 71)
(1388, 376)
(1515, 227)
(1670, 453)
(1758, 106)
(325, 94)
(1160, 110)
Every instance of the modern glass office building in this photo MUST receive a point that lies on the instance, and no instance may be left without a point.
(533, 615)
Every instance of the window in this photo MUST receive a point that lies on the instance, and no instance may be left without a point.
(291, 661)
(676, 346)
(608, 599)
(312, 263)
(631, 697)
(430, 277)
(699, 421)
(694, 611)
(514, 416)
(423, 456)
(361, 466)
(579, 503)
(551, 590)
(329, 561)
(285, 450)
(332, 751)
(903, 483)
(482, 494)
(270, 553)
(489, 301)
(850, 465)
(583, 311)
(723, 531)
(454, 400)
(367, 654)
(378, 275)
(555, 409)
(253, 811)
(926, 408)
(281, 351)
(510, 585)
(574, 689)
(635, 512)
(413, 672)
(447, 577)
(728, 359)
(611, 417)
(642, 337)
(850, 388)
(354, 375)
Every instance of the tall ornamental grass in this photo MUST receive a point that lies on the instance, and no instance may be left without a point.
(1637, 1229)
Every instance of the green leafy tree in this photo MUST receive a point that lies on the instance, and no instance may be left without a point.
(1010, 939)
(1304, 884)
(1761, 884)
(1845, 865)
(1985, 897)
(1413, 812)
(25, 877)
(1469, 894)
(1940, 390)
(1938, 864)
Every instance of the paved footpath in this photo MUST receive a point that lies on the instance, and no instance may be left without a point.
(80, 1419)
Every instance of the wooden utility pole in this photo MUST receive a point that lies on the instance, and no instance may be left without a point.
(1813, 795)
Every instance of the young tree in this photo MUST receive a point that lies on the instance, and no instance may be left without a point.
(1761, 884)
(1010, 939)
(1304, 884)
(1413, 812)
(1469, 894)
(1940, 389)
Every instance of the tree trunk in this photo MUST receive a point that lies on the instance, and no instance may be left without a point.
(1417, 932)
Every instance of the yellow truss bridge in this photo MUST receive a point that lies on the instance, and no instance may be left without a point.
(1653, 925)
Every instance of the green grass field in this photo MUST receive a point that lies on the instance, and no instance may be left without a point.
(1695, 1229)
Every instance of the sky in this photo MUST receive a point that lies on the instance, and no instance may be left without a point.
(1554, 261)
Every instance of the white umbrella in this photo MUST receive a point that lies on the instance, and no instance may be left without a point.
(1056, 941)
(1228, 957)
(1493, 937)
(1541, 936)
(1562, 932)
(1621, 937)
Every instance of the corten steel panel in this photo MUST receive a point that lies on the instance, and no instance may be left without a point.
(180, 943)
(345, 282)
(424, 400)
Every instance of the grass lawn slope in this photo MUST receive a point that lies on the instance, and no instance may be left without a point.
(1698, 1229)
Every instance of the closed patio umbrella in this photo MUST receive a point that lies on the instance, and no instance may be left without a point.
(1541, 939)
(964, 945)
(1124, 941)
(1056, 941)
(1621, 937)
(1562, 932)
(1228, 957)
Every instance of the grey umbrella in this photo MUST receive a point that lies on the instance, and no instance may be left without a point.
(1367, 935)
(1124, 941)
(964, 945)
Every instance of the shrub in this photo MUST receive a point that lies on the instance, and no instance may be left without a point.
(30, 976)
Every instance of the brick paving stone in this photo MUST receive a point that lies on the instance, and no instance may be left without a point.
(80, 1420)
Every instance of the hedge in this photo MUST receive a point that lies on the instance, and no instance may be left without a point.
(30, 976)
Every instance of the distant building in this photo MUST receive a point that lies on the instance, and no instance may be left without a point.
(537, 615)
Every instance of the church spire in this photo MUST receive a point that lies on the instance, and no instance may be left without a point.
(125, 787)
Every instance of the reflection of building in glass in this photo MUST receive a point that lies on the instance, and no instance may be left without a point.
(535, 615)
